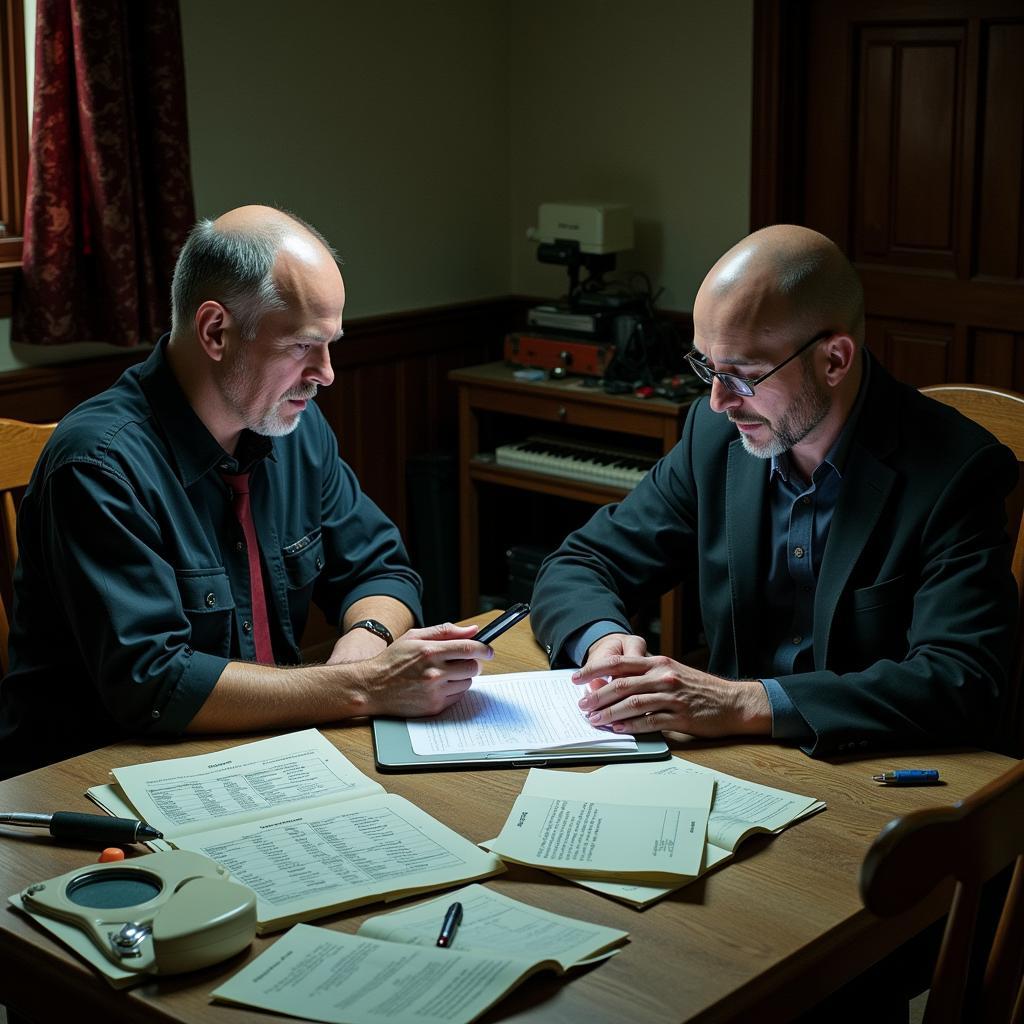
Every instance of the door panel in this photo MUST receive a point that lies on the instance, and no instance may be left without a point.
(900, 134)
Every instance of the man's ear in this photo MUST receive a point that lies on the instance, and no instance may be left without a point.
(211, 321)
(840, 351)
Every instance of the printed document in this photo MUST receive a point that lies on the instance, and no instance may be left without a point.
(329, 976)
(516, 711)
(497, 925)
(739, 809)
(296, 821)
(654, 833)
(183, 795)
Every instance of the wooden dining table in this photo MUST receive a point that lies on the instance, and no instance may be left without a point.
(763, 937)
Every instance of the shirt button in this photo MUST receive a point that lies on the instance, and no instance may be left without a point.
(805, 500)
(247, 626)
(154, 714)
(319, 564)
(211, 600)
(239, 546)
(798, 551)
(188, 650)
(797, 640)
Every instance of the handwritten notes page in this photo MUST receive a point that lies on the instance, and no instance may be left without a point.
(739, 809)
(296, 821)
(655, 833)
(515, 711)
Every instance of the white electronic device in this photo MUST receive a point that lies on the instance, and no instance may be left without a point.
(598, 228)
(161, 914)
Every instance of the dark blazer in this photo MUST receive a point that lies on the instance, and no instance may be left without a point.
(915, 608)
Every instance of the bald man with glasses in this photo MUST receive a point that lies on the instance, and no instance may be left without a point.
(847, 533)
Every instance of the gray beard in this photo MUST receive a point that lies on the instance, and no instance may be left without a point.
(807, 410)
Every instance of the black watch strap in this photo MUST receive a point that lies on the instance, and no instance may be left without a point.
(375, 627)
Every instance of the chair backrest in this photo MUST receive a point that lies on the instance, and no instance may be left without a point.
(20, 445)
(971, 842)
(1002, 414)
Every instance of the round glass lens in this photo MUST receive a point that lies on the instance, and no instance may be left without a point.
(108, 890)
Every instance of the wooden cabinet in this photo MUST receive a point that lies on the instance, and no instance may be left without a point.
(495, 407)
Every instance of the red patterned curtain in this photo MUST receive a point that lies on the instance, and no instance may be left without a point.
(109, 183)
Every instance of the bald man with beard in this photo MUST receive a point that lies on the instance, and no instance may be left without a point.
(179, 525)
(848, 535)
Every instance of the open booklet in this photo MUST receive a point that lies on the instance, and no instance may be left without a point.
(739, 809)
(325, 975)
(653, 834)
(296, 821)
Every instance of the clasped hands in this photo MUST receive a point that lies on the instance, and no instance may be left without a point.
(633, 692)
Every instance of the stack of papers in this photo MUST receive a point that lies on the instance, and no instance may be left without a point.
(296, 821)
(313, 973)
(528, 711)
(574, 826)
(628, 834)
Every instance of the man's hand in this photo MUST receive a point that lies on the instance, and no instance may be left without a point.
(648, 693)
(423, 672)
(616, 644)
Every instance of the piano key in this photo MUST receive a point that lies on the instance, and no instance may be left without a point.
(574, 460)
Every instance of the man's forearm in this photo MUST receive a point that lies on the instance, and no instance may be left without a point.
(248, 697)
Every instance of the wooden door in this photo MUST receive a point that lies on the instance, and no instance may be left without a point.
(897, 129)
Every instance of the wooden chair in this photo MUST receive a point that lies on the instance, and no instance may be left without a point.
(20, 445)
(1002, 414)
(971, 842)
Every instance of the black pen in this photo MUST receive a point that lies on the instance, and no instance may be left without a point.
(450, 925)
(91, 828)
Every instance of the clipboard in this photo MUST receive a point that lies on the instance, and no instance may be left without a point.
(392, 752)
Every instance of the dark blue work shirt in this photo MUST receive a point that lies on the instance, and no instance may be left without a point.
(132, 588)
(801, 516)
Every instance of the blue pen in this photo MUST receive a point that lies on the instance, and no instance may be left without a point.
(908, 777)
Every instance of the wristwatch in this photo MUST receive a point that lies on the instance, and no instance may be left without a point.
(376, 628)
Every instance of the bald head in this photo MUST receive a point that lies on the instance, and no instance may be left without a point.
(780, 281)
(252, 260)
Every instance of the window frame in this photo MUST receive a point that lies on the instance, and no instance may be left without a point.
(13, 144)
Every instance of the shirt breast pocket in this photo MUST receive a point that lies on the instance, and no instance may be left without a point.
(303, 562)
(209, 606)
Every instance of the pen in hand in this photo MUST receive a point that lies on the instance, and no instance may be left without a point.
(90, 828)
(450, 925)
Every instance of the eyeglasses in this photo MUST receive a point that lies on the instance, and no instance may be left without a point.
(745, 385)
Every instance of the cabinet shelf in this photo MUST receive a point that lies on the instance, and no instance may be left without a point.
(490, 395)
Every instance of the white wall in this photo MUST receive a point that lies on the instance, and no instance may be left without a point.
(384, 123)
(420, 136)
(646, 103)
